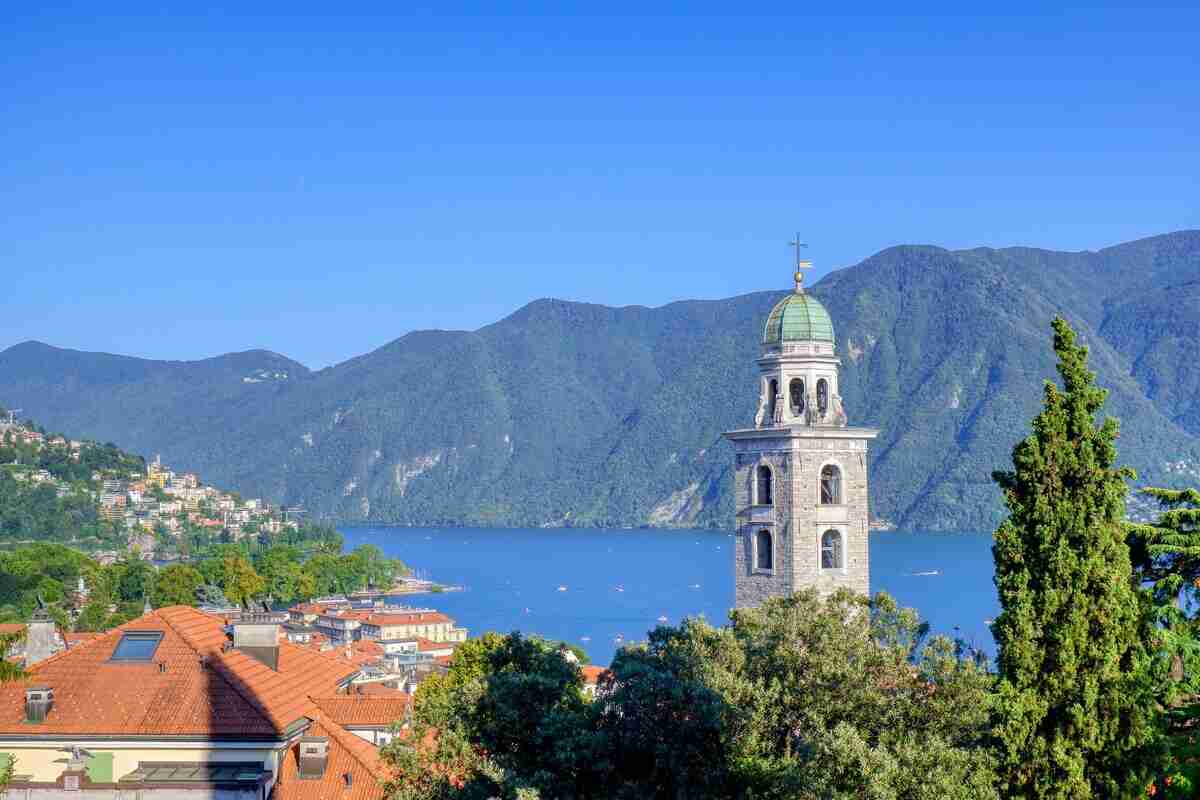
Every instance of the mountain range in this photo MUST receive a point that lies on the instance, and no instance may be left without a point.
(568, 413)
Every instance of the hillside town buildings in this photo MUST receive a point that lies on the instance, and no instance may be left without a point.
(151, 504)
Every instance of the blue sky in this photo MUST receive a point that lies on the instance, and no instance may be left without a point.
(181, 184)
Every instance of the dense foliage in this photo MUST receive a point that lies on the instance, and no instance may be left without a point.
(37, 511)
(567, 413)
(802, 698)
(1166, 558)
(1075, 713)
(118, 592)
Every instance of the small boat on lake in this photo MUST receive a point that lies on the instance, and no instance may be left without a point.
(562, 588)
(925, 573)
(694, 586)
(619, 588)
(662, 617)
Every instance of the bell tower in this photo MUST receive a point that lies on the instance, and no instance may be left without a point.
(800, 474)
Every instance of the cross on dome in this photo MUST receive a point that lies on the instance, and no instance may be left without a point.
(801, 264)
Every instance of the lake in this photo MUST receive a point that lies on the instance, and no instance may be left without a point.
(619, 582)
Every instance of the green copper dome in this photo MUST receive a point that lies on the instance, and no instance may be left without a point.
(798, 317)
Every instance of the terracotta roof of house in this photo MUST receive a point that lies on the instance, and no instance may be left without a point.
(592, 673)
(349, 756)
(193, 686)
(362, 651)
(9, 628)
(306, 608)
(424, 645)
(74, 638)
(374, 710)
(408, 618)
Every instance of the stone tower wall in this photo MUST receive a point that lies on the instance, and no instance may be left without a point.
(850, 519)
(752, 586)
(797, 519)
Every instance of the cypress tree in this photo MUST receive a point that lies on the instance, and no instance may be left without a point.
(1074, 713)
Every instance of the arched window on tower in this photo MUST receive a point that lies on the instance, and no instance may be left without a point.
(822, 396)
(773, 394)
(796, 396)
(765, 558)
(831, 485)
(763, 493)
(831, 550)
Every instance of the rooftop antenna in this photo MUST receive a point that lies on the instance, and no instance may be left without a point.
(801, 264)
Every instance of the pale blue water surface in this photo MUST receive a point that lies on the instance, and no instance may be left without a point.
(619, 582)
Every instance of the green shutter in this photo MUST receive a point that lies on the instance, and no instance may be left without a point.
(100, 768)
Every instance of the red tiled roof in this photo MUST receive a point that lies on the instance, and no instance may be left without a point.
(362, 651)
(306, 608)
(424, 645)
(375, 710)
(9, 628)
(592, 673)
(195, 686)
(348, 756)
(75, 638)
(191, 687)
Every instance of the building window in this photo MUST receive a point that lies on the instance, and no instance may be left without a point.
(763, 550)
(765, 496)
(822, 396)
(773, 390)
(831, 485)
(831, 550)
(796, 395)
(137, 646)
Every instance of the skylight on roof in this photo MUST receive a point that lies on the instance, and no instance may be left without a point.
(137, 646)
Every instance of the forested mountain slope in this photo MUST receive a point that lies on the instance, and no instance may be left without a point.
(569, 413)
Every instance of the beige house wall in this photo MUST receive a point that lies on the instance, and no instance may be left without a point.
(45, 760)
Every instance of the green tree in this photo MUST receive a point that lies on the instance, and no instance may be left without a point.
(325, 572)
(509, 718)
(1166, 555)
(240, 582)
(282, 567)
(805, 698)
(844, 697)
(1075, 715)
(135, 580)
(10, 671)
(176, 585)
(93, 617)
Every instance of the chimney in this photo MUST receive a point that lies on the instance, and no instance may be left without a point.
(41, 637)
(38, 702)
(314, 756)
(257, 635)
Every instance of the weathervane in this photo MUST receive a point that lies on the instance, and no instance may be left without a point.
(801, 264)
